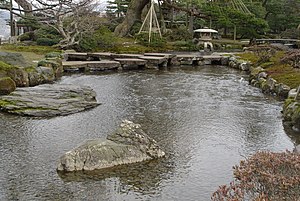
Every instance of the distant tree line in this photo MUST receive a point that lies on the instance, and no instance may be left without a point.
(70, 23)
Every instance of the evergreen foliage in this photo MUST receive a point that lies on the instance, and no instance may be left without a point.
(117, 8)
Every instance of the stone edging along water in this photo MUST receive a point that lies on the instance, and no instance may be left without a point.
(259, 78)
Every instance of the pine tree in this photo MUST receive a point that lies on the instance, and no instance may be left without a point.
(117, 8)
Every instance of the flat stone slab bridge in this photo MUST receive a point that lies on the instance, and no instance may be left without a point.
(101, 61)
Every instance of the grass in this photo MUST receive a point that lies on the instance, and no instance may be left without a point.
(4, 66)
(40, 50)
(31, 54)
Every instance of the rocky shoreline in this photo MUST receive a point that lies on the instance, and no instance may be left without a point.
(46, 71)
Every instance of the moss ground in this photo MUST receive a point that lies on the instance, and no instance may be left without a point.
(31, 54)
(283, 73)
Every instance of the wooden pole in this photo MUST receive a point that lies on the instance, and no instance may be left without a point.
(12, 27)
(144, 22)
(151, 15)
(297, 94)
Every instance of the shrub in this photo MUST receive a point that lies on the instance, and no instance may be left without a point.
(263, 52)
(26, 36)
(46, 41)
(186, 46)
(102, 39)
(264, 176)
(292, 58)
(180, 33)
(46, 32)
(156, 40)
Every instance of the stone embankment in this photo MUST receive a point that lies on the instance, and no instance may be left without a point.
(128, 144)
(48, 100)
(291, 110)
(259, 78)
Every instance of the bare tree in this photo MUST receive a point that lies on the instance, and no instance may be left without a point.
(72, 19)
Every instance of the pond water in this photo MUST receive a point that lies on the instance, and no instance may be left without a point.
(205, 118)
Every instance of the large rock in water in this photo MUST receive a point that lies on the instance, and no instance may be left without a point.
(49, 100)
(128, 144)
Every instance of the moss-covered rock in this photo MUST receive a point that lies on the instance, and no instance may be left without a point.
(48, 100)
(55, 64)
(53, 55)
(7, 85)
(19, 76)
(48, 63)
(291, 113)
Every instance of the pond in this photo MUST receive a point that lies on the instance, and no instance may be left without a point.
(205, 118)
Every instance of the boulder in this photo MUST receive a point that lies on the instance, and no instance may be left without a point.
(128, 144)
(293, 93)
(48, 100)
(7, 85)
(282, 90)
(47, 74)
(19, 76)
(55, 64)
(35, 78)
(244, 66)
(291, 113)
(297, 149)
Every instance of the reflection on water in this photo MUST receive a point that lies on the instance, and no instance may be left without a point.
(205, 118)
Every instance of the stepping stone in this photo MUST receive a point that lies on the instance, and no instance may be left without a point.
(155, 62)
(103, 65)
(98, 56)
(131, 63)
(116, 56)
(74, 65)
(76, 56)
(189, 59)
(172, 58)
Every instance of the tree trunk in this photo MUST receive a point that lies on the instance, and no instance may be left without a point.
(133, 14)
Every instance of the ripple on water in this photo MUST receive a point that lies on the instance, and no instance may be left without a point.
(205, 118)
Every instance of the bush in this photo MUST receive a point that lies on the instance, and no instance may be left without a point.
(102, 39)
(264, 176)
(186, 46)
(135, 28)
(156, 40)
(292, 58)
(263, 52)
(46, 41)
(46, 32)
(26, 36)
(46, 36)
(180, 33)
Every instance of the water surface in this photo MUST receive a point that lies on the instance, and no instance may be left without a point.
(206, 119)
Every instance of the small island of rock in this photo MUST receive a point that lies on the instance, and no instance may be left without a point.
(128, 144)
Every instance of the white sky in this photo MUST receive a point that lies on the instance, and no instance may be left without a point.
(4, 29)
